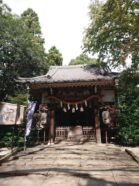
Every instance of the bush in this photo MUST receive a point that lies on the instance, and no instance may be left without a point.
(129, 135)
(128, 110)
(9, 138)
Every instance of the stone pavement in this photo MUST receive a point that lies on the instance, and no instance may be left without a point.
(135, 150)
(4, 151)
(88, 164)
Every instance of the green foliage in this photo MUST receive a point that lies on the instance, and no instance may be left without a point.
(7, 54)
(20, 99)
(54, 57)
(128, 115)
(4, 8)
(10, 136)
(7, 140)
(14, 135)
(21, 49)
(30, 21)
(113, 32)
(36, 118)
(83, 59)
(35, 51)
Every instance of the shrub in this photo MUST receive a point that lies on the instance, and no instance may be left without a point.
(128, 110)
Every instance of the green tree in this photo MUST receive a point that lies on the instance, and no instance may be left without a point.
(20, 55)
(128, 110)
(35, 51)
(54, 57)
(4, 8)
(8, 40)
(31, 22)
(83, 59)
(113, 32)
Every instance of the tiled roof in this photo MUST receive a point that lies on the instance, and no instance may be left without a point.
(73, 73)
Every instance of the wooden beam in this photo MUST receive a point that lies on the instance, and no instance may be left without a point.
(97, 126)
(52, 126)
(72, 84)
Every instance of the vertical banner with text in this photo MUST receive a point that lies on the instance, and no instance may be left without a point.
(30, 111)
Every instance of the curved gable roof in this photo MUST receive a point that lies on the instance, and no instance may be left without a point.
(73, 73)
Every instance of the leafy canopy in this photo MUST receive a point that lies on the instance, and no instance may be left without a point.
(54, 57)
(113, 32)
(35, 50)
(128, 115)
(21, 51)
(83, 59)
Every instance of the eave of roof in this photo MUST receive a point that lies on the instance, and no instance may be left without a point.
(71, 74)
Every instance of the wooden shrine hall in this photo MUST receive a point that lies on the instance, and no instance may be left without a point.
(74, 96)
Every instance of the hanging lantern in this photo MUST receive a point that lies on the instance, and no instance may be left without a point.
(68, 106)
(81, 109)
(64, 109)
(85, 102)
(76, 107)
(73, 109)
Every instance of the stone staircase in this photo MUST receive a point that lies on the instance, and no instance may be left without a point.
(70, 164)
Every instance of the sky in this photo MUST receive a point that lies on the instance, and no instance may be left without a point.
(62, 23)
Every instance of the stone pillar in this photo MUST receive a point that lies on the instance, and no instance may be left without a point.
(97, 126)
(52, 126)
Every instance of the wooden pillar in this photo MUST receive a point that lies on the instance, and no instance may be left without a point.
(52, 126)
(97, 126)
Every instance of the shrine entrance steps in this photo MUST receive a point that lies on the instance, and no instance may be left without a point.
(70, 165)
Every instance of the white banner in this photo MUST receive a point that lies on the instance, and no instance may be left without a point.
(31, 109)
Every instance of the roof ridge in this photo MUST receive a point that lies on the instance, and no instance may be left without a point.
(67, 66)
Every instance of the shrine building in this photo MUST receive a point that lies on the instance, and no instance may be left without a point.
(75, 96)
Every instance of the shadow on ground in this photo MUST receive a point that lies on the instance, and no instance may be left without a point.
(78, 173)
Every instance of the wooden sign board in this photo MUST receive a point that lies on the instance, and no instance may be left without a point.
(11, 114)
